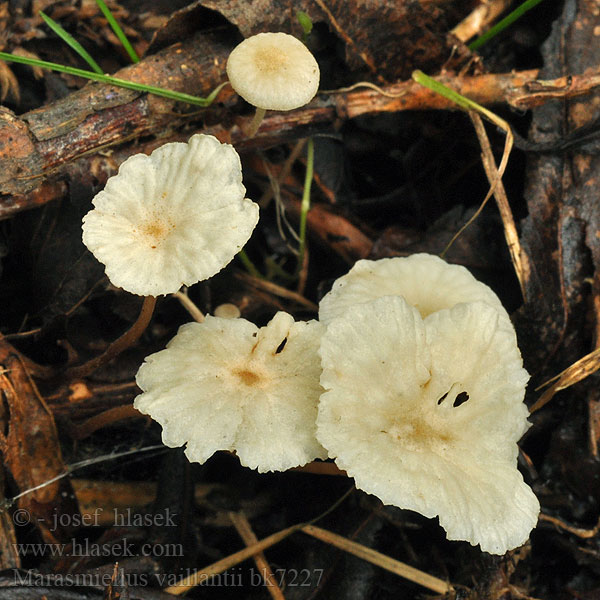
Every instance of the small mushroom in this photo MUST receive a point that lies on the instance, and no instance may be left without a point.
(227, 311)
(273, 71)
(424, 280)
(426, 415)
(173, 218)
(225, 384)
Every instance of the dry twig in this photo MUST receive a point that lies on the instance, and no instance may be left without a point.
(579, 370)
(243, 527)
(578, 531)
(381, 560)
(494, 175)
(480, 18)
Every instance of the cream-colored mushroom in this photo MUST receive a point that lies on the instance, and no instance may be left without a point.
(426, 415)
(425, 281)
(225, 384)
(173, 218)
(273, 71)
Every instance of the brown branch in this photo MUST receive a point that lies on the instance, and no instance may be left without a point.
(40, 142)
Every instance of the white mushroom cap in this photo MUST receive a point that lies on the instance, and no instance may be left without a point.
(225, 384)
(389, 418)
(173, 218)
(424, 280)
(273, 71)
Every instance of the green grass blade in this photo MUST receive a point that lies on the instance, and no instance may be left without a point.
(504, 23)
(71, 41)
(305, 206)
(124, 83)
(458, 99)
(244, 258)
(118, 31)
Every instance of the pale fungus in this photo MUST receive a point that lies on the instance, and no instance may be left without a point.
(225, 384)
(425, 281)
(173, 218)
(227, 311)
(426, 415)
(273, 71)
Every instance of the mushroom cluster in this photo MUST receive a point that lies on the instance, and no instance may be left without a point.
(417, 394)
(423, 402)
(412, 381)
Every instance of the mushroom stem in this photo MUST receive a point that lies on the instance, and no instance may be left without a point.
(122, 343)
(252, 128)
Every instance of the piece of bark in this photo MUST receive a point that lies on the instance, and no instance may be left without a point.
(561, 320)
(31, 452)
(560, 233)
(385, 38)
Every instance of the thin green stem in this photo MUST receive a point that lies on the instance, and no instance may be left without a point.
(118, 31)
(249, 265)
(68, 39)
(305, 206)
(124, 83)
(503, 24)
(462, 101)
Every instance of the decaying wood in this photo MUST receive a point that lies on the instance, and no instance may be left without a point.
(386, 38)
(100, 500)
(559, 324)
(345, 239)
(521, 90)
(35, 146)
(560, 232)
(31, 450)
(98, 116)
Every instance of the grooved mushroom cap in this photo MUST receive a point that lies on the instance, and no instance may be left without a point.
(426, 415)
(426, 282)
(173, 218)
(273, 71)
(225, 384)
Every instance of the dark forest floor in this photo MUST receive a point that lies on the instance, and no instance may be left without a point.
(388, 182)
